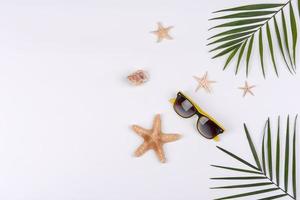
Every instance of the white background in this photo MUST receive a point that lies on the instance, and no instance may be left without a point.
(66, 108)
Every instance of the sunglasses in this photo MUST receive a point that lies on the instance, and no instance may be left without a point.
(206, 125)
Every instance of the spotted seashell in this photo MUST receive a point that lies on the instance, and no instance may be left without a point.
(138, 77)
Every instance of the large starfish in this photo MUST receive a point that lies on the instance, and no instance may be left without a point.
(154, 139)
(204, 83)
(162, 32)
(247, 89)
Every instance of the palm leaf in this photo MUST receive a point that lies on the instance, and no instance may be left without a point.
(294, 32)
(263, 152)
(230, 57)
(299, 7)
(278, 153)
(237, 158)
(274, 197)
(280, 44)
(253, 150)
(246, 22)
(270, 151)
(237, 169)
(249, 193)
(239, 178)
(240, 56)
(265, 173)
(243, 186)
(294, 177)
(226, 51)
(231, 37)
(261, 52)
(240, 23)
(285, 34)
(236, 30)
(245, 15)
(287, 155)
(229, 44)
(253, 7)
(249, 54)
(269, 36)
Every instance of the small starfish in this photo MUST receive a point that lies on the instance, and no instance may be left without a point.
(204, 83)
(154, 139)
(247, 89)
(162, 32)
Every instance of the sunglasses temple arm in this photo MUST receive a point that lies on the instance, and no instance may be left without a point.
(216, 138)
(172, 101)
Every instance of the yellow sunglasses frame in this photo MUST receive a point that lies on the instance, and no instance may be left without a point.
(202, 112)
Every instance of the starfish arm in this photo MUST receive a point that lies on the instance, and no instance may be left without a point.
(141, 149)
(169, 28)
(170, 137)
(157, 124)
(198, 87)
(160, 153)
(169, 37)
(245, 92)
(251, 92)
(196, 78)
(159, 38)
(160, 26)
(206, 87)
(140, 131)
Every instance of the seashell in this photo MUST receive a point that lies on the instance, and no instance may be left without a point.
(138, 77)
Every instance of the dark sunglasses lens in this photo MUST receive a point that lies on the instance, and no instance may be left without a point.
(208, 128)
(184, 107)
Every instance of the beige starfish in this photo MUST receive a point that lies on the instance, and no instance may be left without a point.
(204, 83)
(247, 89)
(154, 139)
(162, 32)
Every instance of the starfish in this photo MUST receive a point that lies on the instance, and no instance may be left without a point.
(204, 83)
(247, 89)
(162, 32)
(154, 139)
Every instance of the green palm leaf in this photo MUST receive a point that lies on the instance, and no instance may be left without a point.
(265, 172)
(243, 186)
(294, 32)
(237, 158)
(249, 193)
(287, 155)
(245, 15)
(230, 57)
(286, 39)
(263, 152)
(237, 169)
(249, 54)
(240, 56)
(280, 44)
(226, 51)
(236, 30)
(253, 150)
(270, 151)
(246, 22)
(261, 52)
(294, 177)
(240, 23)
(253, 7)
(229, 44)
(239, 178)
(274, 197)
(231, 37)
(278, 153)
(269, 36)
